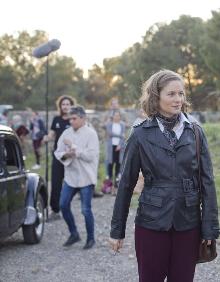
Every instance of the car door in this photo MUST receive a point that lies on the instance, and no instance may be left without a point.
(16, 182)
(4, 216)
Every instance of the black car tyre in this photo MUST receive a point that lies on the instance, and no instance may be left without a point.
(33, 233)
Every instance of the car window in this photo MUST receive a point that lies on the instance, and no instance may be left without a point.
(11, 155)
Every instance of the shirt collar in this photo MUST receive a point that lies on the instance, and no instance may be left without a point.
(183, 118)
(79, 129)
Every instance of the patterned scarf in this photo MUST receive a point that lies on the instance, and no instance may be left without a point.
(168, 124)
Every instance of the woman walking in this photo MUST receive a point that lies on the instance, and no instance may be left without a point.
(59, 124)
(168, 223)
(38, 132)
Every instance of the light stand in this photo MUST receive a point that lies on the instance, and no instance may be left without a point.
(47, 127)
(41, 51)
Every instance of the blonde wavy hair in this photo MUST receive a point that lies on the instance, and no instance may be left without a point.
(151, 91)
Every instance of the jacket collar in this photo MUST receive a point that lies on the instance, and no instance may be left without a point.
(150, 122)
(157, 137)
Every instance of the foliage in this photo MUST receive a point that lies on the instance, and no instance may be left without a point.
(23, 77)
(187, 45)
(212, 131)
(210, 51)
(171, 46)
(18, 71)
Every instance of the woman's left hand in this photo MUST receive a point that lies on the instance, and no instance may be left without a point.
(208, 242)
(116, 244)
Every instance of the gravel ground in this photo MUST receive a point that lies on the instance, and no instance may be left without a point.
(49, 261)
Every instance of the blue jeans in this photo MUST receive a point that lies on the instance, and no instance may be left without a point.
(67, 195)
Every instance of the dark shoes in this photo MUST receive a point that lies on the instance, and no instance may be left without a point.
(89, 244)
(71, 240)
(75, 238)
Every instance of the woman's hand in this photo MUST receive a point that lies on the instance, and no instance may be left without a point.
(45, 139)
(209, 242)
(116, 244)
(49, 137)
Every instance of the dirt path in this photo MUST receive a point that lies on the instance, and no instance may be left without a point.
(49, 261)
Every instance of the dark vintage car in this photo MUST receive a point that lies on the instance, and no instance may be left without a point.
(23, 195)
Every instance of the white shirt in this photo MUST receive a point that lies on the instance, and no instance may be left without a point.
(116, 129)
(81, 170)
(178, 128)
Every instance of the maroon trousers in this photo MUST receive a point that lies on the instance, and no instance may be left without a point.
(36, 146)
(170, 254)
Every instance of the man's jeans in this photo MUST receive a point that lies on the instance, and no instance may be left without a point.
(67, 195)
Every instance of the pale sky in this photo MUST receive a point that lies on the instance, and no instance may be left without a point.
(91, 30)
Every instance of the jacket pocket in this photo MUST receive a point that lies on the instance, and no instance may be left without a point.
(192, 200)
(192, 207)
(150, 207)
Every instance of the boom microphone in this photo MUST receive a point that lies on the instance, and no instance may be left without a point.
(46, 48)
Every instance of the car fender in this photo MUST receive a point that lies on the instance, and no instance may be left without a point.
(34, 185)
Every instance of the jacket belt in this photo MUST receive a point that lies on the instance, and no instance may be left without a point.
(185, 184)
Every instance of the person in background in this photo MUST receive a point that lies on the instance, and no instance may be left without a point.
(37, 131)
(59, 124)
(168, 225)
(4, 117)
(115, 131)
(114, 106)
(78, 151)
(21, 130)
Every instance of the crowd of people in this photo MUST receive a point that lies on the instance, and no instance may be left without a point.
(34, 127)
(177, 208)
(75, 157)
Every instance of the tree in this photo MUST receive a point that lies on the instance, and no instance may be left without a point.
(22, 77)
(97, 87)
(210, 49)
(174, 46)
(17, 66)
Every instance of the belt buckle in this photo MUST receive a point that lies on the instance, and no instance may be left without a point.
(187, 185)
